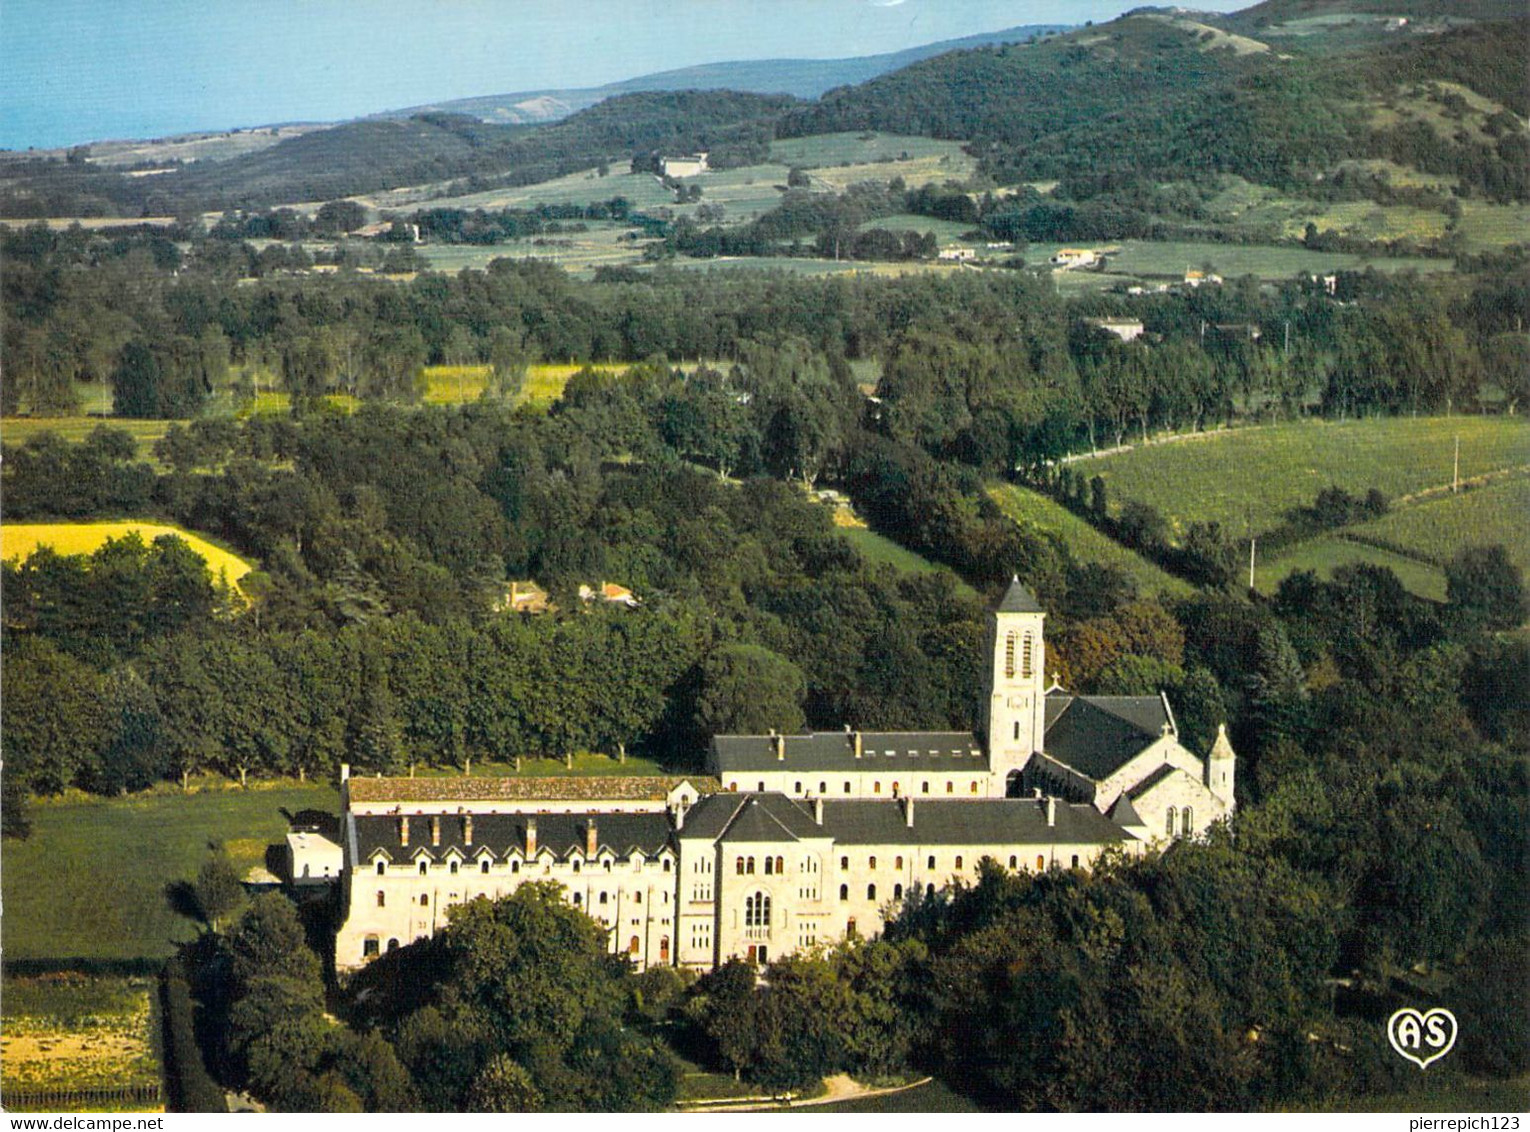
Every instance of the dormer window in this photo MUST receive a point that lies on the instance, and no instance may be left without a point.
(382, 868)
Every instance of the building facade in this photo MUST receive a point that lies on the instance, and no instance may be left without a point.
(791, 840)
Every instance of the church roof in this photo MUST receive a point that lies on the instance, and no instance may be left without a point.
(749, 817)
(1097, 735)
(1152, 780)
(834, 751)
(1018, 599)
(1123, 813)
(622, 834)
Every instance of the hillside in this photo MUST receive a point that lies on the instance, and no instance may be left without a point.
(800, 78)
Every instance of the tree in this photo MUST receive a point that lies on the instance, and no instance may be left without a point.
(748, 689)
(268, 943)
(217, 888)
(1484, 588)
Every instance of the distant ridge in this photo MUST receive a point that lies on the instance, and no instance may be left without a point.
(801, 78)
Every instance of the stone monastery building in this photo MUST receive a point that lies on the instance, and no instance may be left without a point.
(790, 840)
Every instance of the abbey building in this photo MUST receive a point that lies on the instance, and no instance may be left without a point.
(794, 840)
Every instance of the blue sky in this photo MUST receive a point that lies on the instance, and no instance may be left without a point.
(83, 70)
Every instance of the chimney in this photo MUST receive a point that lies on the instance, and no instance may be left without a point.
(1036, 792)
(818, 811)
(591, 838)
(908, 811)
(679, 817)
(345, 772)
(1051, 812)
(531, 837)
(780, 747)
(856, 739)
(403, 830)
(467, 829)
(435, 830)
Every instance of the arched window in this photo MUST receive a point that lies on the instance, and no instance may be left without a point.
(382, 899)
(738, 865)
(1075, 860)
(847, 786)
(1041, 862)
(483, 866)
(1013, 863)
(797, 787)
(576, 866)
(578, 899)
(633, 946)
(1187, 821)
(895, 789)
(664, 949)
(898, 862)
(871, 892)
(871, 862)
(602, 898)
(369, 947)
(924, 787)
(1027, 655)
(393, 945)
(454, 868)
(637, 897)
(424, 900)
(929, 890)
(382, 867)
(770, 866)
(823, 788)
(931, 863)
(876, 787)
(844, 892)
(1009, 656)
(515, 866)
(757, 910)
(666, 864)
(762, 786)
(844, 864)
(749, 866)
(424, 867)
(780, 866)
(974, 788)
(958, 862)
(897, 892)
(1168, 823)
(950, 788)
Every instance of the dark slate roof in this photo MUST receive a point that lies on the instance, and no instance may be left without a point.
(993, 821)
(834, 751)
(1097, 735)
(1123, 813)
(750, 817)
(1152, 780)
(501, 833)
(1018, 599)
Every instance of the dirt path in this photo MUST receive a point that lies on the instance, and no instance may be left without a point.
(840, 1087)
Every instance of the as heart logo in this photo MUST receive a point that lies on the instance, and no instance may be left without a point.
(1422, 1038)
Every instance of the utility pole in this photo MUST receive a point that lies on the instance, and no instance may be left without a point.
(1252, 543)
(1455, 477)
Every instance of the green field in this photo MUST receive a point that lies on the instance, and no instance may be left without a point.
(1085, 543)
(1171, 258)
(879, 550)
(1256, 475)
(601, 245)
(90, 881)
(946, 231)
(822, 150)
(1434, 529)
(1322, 554)
(18, 430)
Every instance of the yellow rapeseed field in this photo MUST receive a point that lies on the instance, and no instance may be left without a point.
(19, 540)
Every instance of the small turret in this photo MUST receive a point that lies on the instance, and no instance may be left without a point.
(1221, 768)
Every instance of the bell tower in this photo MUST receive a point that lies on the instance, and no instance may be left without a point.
(1015, 720)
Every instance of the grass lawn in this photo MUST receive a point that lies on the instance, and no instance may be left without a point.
(878, 550)
(77, 1033)
(90, 881)
(19, 540)
(1437, 528)
(1257, 475)
(1086, 543)
(1325, 552)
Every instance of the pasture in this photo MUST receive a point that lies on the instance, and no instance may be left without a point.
(67, 899)
(850, 148)
(600, 245)
(879, 550)
(1246, 478)
(1436, 528)
(1032, 509)
(1171, 258)
(1323, 554)
(19, 540)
